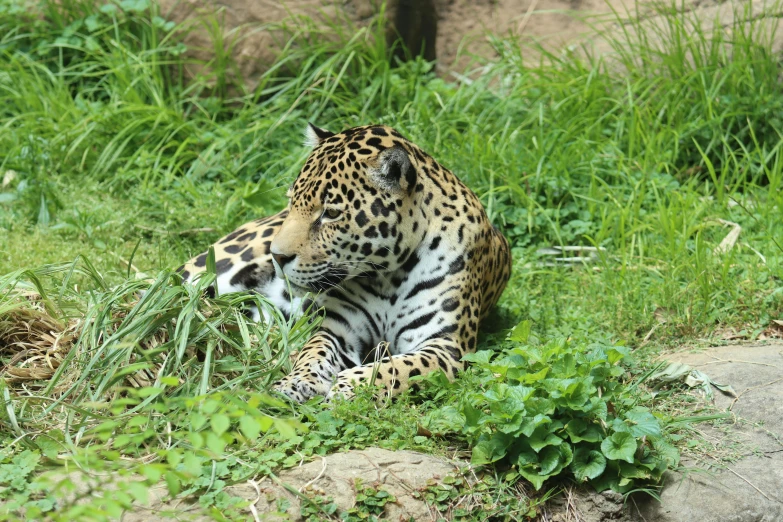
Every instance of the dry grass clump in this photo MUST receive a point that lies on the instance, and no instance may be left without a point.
(33, 343)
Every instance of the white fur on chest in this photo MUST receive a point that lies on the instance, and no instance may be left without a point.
(407, 311)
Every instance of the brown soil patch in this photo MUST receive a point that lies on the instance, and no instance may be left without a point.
(254, 31)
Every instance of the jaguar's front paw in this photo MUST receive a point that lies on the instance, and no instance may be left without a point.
(301, 388)
(342, 389)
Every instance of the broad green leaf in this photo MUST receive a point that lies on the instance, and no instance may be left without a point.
(472, 415)
(196, 439)
(135, 6)
(92, 23)
(542, 438)
(511, 424)
(49, 446)
(520, 393)
(620, 425)
(565, 366)
(531, 378)
(632, 471)
(642, 422)
(539, 406)
(265, 423)
(215, 443)
(606, 480)
(169, 380)
(210, 406)
(149, 391)
(173, 483)
(285, 428)
(667, 452)
(525, 457)
(497, 392)
(617, 353)
(554, 458)
(529, 424)
(174, 457)
(192, 464)
(138, 420)
(152, 472)
(580, 430)
(577, 395)
(587, 464)
(491, 450)
(620, 446)
(521, 332)
(598, 408)
(532, 476)
(138, 491)
(480, 357)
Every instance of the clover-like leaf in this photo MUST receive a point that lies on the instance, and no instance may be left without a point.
(219, 423)
(249, 427)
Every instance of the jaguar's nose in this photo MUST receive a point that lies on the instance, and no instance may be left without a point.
(282, 259)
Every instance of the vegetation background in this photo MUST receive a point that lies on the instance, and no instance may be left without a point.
(112, 163)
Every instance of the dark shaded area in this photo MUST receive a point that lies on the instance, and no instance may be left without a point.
(413, 30)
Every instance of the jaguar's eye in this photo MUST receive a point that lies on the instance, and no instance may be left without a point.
(333, 213)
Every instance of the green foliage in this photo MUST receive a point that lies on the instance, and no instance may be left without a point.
(558, 407)
(491, 498)
(369, 505)
(18, 489)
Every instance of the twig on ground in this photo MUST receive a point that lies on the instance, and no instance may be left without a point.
(753, 388)
(749, 483)
(252, 506)
(312, 481)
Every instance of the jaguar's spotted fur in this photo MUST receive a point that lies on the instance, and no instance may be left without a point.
(395, 249)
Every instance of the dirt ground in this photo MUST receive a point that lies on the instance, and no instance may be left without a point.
(252, 32)
(557, 25)
(464, 25)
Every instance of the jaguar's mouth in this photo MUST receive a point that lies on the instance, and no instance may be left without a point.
(331, 278)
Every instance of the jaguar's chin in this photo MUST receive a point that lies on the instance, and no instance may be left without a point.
(298, 290)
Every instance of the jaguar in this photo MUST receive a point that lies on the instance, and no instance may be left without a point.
(393, 249)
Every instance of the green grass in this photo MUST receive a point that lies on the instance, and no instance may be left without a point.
(109, 157)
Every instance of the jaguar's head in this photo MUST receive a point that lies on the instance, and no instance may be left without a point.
(351, 209)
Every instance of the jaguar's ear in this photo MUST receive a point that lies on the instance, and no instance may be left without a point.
(395, 172)
(315, 135)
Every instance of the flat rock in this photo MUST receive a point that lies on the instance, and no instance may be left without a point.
(401, 473)
(751, 488)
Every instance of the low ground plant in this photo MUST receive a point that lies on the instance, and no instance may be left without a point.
(546, 409)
